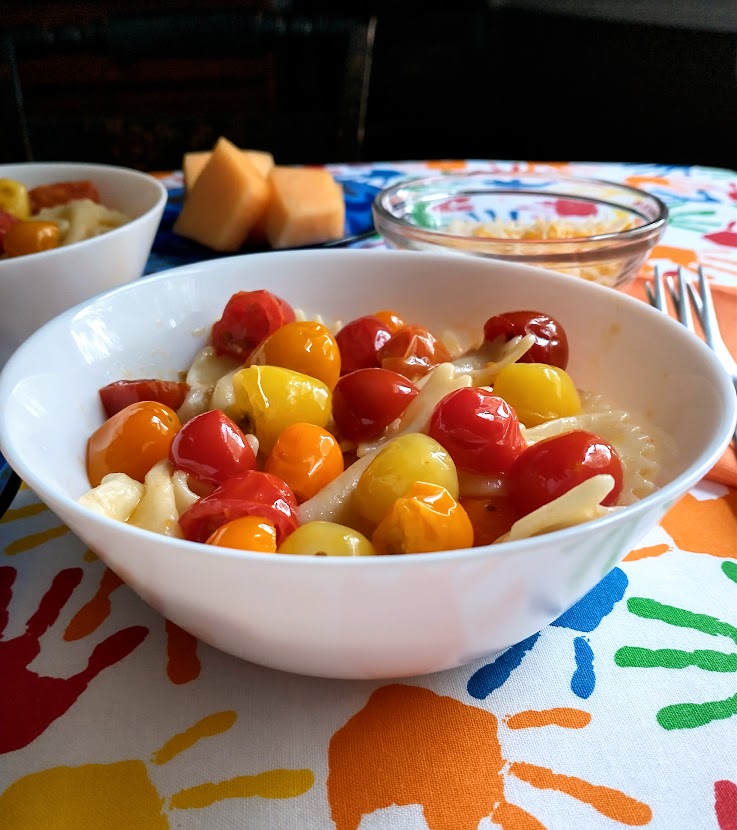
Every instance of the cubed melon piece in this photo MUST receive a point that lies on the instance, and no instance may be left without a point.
(306, 207)
(227, 200)
(193, 162)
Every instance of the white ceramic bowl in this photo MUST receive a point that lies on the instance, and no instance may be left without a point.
(371, 617)
(37, 287)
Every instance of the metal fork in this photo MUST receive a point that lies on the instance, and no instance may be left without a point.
(688, 303)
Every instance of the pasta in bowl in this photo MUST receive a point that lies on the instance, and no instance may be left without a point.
(365, 616)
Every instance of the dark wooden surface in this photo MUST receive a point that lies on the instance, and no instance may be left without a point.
(140, 83)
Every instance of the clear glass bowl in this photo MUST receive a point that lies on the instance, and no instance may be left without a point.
(597, 230)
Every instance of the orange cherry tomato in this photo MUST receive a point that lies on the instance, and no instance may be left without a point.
(491, 517)
(132, 441)
(390, 319)
(59, 193)
(412, 351)
(306, 457)
(31, 237)
(246, 533)
(305, 347)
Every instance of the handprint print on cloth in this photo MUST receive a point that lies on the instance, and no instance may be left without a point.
(398, 747)
(122, 796)
(30, 702)
(585, 616)
(685, 715)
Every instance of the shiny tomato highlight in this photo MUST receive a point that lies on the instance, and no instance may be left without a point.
(553, 466)
(359, 342)
(248, 318)
(551, 341)
(412, 351)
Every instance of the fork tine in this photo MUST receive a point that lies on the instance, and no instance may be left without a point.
(656, 294)
(680, 300)
(704, 305)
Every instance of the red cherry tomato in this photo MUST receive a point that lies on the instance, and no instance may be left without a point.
(116, 396)
(7, 220)
(551, 343)
(248, 318)
(479, 430)
(550, 468)
(249, 494)
(212, 448)
(412, 351)
(366, 401)
(359, 342)
(59, 193)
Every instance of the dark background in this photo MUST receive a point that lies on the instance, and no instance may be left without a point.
(140, 83)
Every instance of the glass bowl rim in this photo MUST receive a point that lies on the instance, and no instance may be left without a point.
(431, 235)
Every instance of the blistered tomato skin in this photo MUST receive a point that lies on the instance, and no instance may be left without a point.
(118, 395)
(248, 318)
(425, 519)
(273, 398)
(359, 342)
(550, 468)
(402, 462)
(246, 533)
(305, 347)
(132, 441)
(366, 401)
(253, 493)
(390, 318)
(327, 539)
(551, 341)
(212, 448)
(307, 458)
(479, 429)
(537, 392)
(412, 351)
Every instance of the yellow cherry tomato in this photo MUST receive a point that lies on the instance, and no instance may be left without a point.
(407, 459)
(326, 539)
(390, 319)
(307, 457)
(14, 199)
(273, 398)
(537, 392)
(246, 533)
(31, 237)
(305, 347)
(132, 441)
(425, 519)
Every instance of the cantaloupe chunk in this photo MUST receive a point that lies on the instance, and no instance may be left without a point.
(227, 200)
(306, 206)
(193, 162)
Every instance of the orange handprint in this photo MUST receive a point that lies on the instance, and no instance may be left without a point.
(29, 702)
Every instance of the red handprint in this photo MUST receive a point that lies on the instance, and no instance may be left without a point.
(29, 703)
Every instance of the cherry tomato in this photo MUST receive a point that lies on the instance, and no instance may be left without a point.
(31, 237)
(14, 199)
(212, 448)
(550, 468)
(116, 396)
(6, 220)
(491, 517)
(248, 318)
(306, 457)
(390, 319)
(538, 392)
(305, 347)
(252, 493)
(412, 351)
(132, 441)
(425, 519)
(366, 401)
(479, 429)
(59, 193)
(551, 343)
(359, 342)
(326, 539)
(246, 533)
